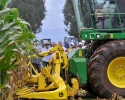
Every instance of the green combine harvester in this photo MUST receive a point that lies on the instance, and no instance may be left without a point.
(102, 65)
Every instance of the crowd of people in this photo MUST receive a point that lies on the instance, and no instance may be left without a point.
(36, 62)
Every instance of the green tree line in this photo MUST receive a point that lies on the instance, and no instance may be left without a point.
(70, 19)
(33, 11)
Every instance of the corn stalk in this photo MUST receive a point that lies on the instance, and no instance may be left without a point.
(15, 43)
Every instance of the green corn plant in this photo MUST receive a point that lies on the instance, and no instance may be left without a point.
(15, 42)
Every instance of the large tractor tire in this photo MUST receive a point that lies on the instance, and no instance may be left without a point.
(107, 69)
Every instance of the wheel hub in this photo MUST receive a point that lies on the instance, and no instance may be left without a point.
(116, 72)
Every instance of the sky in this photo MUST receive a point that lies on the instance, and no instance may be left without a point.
(53, 26)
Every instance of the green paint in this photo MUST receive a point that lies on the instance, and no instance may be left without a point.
(92, 35)
(78, 67)
(77, 53)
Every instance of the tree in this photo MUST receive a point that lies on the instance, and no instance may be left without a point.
(33, 11)
(70, 19)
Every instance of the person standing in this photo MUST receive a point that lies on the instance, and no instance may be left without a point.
(72, 46)
(60, 43)
(53, 44)
(35, 61)
(80, 46)
(46, 59)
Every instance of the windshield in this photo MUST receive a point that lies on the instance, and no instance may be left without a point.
(101, 15)
(96, 6)
(78, 13)
(101, 20)
(85, 13)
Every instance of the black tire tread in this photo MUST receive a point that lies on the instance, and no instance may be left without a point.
(96, 60)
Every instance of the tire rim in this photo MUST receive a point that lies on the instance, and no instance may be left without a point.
(116, 72)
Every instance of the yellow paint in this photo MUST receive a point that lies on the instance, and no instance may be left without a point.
(80, 53)
(56, 89)
(74, 89)
(41, 82)
(111, 35)
(116, 72)
(30, 64)
(59, 93)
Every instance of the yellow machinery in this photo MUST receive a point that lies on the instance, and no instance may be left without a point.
(48, 84)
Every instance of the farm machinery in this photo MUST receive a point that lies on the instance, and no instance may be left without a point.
(45, 40)
(100, 66)
(102, 22)
(51, 82)
(70, 39)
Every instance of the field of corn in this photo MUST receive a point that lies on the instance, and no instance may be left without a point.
(15, 43)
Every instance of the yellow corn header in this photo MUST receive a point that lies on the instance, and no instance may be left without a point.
(48, 84)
